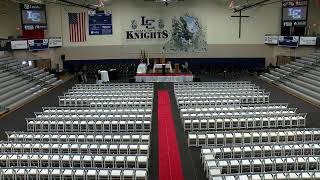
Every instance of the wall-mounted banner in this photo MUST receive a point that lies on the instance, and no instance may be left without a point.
(308, 41)
(19, 44)
(146, 28)
(188, 35)
(38, 44)
(289, 41)
(55, 42)
(100, 23)
(271, 39)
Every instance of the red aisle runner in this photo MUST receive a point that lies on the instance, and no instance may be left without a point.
(169, 156)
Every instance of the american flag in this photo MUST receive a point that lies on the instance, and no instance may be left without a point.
(77, 27)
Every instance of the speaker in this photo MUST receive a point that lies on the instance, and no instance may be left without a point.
(132, 80)
(196, 79)
(63, 57)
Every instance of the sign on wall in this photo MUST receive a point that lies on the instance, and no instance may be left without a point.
(270, 39)
(308, 41)
(33, 16)
(100, 23)
(55, 42)
(19, 44)
(147, 28)
(38, 44)
(289, 41)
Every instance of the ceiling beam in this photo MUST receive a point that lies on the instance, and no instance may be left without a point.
(78, 5)
(248, 6)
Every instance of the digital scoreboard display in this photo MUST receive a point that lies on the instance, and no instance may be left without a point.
(294, 13)
(33, 16)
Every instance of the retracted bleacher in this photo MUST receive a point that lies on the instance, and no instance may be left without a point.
(20, 82)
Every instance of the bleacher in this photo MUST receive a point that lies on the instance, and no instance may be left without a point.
(76, 141)
(300, 77)
(243, 136)
(19, 83)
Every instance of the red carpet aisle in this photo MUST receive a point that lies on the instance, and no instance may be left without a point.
(169, 156)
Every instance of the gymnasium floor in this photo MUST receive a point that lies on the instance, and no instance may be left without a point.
(190, 157)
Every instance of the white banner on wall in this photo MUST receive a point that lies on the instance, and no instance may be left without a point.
(270, 39)
(308, 41)
(55, 42)
(21, 44)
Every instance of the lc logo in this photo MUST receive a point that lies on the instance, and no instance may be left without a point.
(148, 23)
(33, 16)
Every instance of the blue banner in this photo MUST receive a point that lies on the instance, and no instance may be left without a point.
(100, 24)
(288, 41)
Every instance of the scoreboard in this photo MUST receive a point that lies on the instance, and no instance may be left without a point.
(294, 13)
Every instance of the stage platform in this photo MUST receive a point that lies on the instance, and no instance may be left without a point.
(164, 78)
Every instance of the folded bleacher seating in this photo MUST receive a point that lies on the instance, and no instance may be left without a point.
(19, 83)
(300, 77)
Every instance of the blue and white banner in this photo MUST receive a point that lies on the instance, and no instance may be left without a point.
(100, 23)
(38, 44)
(289, 41)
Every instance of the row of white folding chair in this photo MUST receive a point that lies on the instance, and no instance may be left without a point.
(111, 96)
(103, 104)
(225, 92)
(34, 173)
(248, 113)
(214, 88)
(88, 126)
(73, 160)
(197, 84)
(95, 116)
(285, 121)
(292, 175)
(87, 110)
(237, 108)
(79, 137)
(74, 148)
(121, 85)
(263, 164)
(220, 102)
(253, 96)
(108, 91)
(247, 151)
(224, 138)
(101, 98)
(216, 102)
